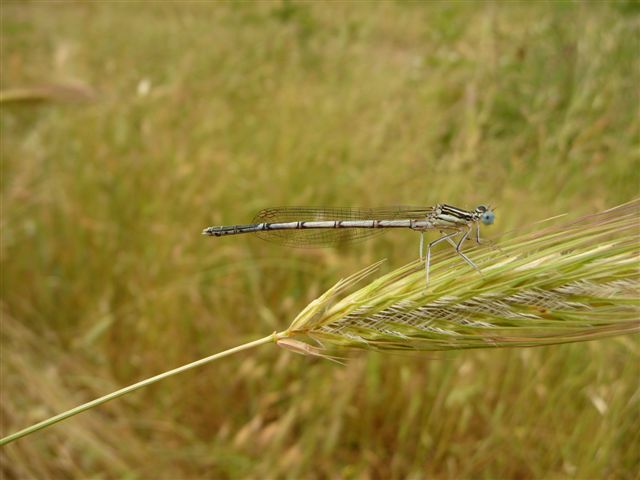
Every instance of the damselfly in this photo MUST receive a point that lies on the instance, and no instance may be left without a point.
(316, 226)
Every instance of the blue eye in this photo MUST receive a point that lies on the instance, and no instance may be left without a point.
(488, 217)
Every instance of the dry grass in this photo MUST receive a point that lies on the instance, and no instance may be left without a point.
(571, 283)
(204, 116)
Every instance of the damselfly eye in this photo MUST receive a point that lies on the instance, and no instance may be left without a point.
(481, 208)
(488, 218)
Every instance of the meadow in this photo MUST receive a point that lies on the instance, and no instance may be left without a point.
(202, 114)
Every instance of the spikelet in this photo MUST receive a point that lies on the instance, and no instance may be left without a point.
(568, 283)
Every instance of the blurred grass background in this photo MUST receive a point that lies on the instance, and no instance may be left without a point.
(203, 114)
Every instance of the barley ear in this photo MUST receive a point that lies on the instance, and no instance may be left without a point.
(571, 282)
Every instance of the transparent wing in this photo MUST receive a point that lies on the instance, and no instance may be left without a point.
(324, 237)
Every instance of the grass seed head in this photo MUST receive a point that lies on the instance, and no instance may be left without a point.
(572, 282)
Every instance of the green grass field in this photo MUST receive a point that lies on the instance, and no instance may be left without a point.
(202, 114)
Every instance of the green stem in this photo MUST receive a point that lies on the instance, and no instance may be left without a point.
(123, 391)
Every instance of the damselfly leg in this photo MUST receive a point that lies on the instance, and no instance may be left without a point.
(481, 241)
(457, 247)
(431, 244)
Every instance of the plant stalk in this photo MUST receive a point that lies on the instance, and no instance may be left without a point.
(123, 391)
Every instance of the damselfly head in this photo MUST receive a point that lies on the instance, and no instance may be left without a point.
(485, 214)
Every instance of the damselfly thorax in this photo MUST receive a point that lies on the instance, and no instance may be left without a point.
(318, 226)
